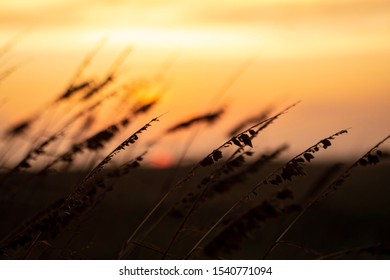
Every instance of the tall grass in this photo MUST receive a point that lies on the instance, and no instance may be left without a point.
(237, 192)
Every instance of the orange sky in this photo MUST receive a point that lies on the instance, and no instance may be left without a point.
(332, 55)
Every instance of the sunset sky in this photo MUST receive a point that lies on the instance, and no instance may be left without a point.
(332, 55)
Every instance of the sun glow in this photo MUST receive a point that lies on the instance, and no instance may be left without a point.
(333, 55)
(175, 37)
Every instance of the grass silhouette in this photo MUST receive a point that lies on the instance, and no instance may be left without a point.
(59, 169)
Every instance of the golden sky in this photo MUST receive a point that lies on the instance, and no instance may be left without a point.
(332, 55)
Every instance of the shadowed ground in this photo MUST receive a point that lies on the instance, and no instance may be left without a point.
(355, 216)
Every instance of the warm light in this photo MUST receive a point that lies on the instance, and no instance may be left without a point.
(334, 55)
(161, 160)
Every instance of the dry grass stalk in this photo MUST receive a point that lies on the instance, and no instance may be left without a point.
(372, 157)
(48, 222)
(236, 232)
(249, 121)
(99, 87)
(242, 140)
(73, 89)
(21, 126)
(192, 196)
(225, 184)
(324, 179)
(144, 108)
(93, 143)
(103, 185)
(192, 200)
(9, 71)
(110, 77)
(106, 181)
(125, 168)
(129, 141)
(87, 110)
(34, 153)
(295, 164)
(295, 167)
(38, 150)
(205, 118)
(86, 62)
(367, 158)
(215, 185)
(98, 140)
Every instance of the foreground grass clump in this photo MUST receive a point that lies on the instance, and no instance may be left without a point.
(74, 187)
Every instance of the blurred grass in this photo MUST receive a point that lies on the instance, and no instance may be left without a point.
(356, 215)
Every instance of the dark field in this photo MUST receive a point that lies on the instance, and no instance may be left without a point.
(352, 223)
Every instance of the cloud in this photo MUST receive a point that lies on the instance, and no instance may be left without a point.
(39, 15)
(297, 25)
(86, 16)
(257, 13)
(121, 13)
